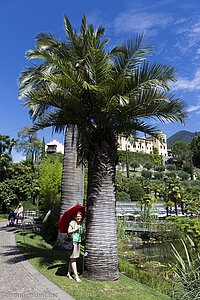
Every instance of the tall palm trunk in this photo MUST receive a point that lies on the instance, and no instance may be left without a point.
(72, 186)
(101, 262)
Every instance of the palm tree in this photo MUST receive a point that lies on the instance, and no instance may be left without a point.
(106, 94)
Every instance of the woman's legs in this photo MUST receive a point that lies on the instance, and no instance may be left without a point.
(72, 266)
(69, 270)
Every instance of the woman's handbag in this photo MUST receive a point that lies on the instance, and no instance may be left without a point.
(68, 243)
(64, 242)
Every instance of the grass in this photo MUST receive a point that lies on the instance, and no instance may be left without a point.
(3, 216)
(53, 265)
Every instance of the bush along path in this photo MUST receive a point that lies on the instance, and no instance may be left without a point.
(19, 279)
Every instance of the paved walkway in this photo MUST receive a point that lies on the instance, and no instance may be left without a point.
(18, 278)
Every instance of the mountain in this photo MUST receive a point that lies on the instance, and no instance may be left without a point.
(183, 135)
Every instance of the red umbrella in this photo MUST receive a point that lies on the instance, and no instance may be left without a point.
(68, 216)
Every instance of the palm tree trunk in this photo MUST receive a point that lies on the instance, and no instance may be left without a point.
(101, 262)
(72, 185)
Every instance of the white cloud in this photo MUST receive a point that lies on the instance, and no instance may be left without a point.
(188, 84)
(193, 108)
(188, 33)
(130, 20)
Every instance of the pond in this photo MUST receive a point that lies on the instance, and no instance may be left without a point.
(159, 250)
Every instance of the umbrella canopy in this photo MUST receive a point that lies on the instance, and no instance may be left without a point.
(68, 216)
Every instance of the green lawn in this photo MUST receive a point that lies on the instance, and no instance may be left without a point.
(3, 216)
(53, 265)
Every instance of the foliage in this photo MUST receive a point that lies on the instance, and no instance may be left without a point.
(134, 164)
(50, 183)
(19, 186)
(146, 173)
(136, 191)
(152, 278)
(6, 144)
(187, 271)
(140, 157)
(160, 168)
(171, 167)
(195, 148)
(122, 196)
(157, 159)
(171, 174)
(158, 175)
(180, 153)
(43, 152)
(29, 144)
(122, 236)
(189, 226)
(148, 165)
(183, 175)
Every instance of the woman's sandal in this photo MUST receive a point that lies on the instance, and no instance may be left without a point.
(77, 279)
(69, 276)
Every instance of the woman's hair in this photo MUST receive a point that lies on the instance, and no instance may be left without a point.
(20, 204)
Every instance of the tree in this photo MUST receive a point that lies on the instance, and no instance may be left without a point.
(106, 94)
(6, 146)
(136, 191)
(180, 153)
(43, 152)
(29, 144)
(134, 164)
(195, 148)
(50, 183)
(148, 165)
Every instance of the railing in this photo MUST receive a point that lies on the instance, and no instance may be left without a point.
(148, 227)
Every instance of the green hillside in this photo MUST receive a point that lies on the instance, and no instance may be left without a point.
(183, 135)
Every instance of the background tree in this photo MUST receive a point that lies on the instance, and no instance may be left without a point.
(195, 148)
(43, 152)
(29, 144)
(6, 146)
(148, 165)
(180, 153)
(134, 164)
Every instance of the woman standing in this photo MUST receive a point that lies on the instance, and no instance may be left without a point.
(19, 211)
(76, 228)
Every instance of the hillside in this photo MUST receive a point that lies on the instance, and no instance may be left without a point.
(183, 135)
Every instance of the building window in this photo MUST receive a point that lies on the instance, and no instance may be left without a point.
(128, 146)
(160, 147)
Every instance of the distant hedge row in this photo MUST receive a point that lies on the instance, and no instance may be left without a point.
(142, 158)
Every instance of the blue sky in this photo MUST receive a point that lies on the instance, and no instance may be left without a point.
(172, 27)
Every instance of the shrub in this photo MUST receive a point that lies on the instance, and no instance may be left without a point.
(170, 167)
(160, 168)
(136, 191)
(171, 174)
(148, 165)
(146, 174)
(134, 164)
(122, 196)
(183, 175)
(158, 175)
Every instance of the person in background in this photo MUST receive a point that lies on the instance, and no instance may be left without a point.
(76, 228)
(19, 212)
